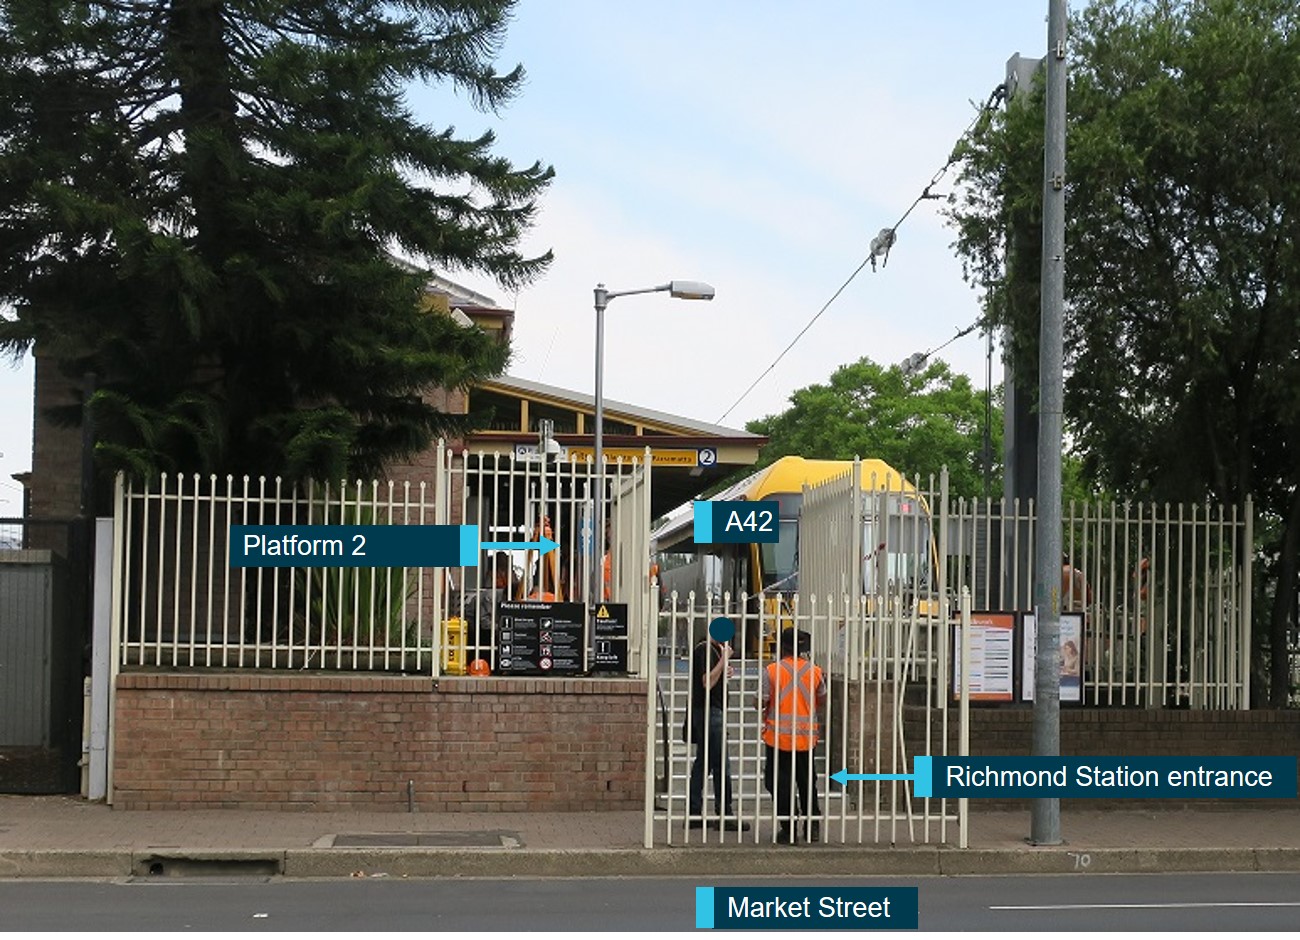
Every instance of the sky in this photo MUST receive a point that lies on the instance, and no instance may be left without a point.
(757, 146)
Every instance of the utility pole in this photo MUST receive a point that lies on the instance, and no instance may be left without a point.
(1045, 824)
(1019, 419)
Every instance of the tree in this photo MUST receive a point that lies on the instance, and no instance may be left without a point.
(201, 200)
(1183, 287)
(918, 423)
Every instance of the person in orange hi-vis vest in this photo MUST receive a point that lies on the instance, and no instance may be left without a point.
(547, 586)
(793, 693)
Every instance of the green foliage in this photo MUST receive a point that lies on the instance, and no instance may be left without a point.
(1182, 264)
(917, 424)
(199, 202)
(355, 606)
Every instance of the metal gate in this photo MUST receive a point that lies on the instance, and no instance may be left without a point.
(514, 499)
(887, 700)
(867, 613)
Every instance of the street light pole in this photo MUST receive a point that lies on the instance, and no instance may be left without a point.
(598, 451)
(682, 290)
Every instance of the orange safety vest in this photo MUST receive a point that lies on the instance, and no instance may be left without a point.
(791, 720)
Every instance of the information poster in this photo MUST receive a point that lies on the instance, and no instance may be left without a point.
(540, 638)
(992, 657)
(609, 629)
(1071, 656)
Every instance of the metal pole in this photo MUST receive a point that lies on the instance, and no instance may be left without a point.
(1046, 816)
(1246, 556)
(115, 626)
(1020, 425)
(684, 290)
(598, 453)
(963, 726)
(545, 428)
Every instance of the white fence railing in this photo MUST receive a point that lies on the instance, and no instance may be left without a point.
(1164, 592)
(178, 603)
(875, 719)
(513, 500)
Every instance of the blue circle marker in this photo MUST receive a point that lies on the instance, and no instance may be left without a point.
(721, 629)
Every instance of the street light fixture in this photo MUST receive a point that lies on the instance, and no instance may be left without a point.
(682, 290)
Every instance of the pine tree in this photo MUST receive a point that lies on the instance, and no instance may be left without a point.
(201, 200)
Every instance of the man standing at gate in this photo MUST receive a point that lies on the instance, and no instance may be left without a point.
(793, 693)
(710, 667)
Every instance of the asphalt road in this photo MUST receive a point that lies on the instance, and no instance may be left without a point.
(1239, 902)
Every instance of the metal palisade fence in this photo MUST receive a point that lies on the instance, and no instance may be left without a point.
(512, 499)
(1161, 593)
(177, 602)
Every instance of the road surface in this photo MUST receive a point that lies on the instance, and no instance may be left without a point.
(1251, 901)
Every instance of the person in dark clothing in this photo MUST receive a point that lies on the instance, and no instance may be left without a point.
(710, 665)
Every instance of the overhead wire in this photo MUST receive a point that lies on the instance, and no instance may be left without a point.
(916, 360)
(880, 246)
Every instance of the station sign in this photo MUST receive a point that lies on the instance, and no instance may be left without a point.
(662, 457)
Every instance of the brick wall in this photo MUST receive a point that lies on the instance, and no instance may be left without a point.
(422, 467)
(353, 742)
(54, 484)
(1130, 732)
(857, 711)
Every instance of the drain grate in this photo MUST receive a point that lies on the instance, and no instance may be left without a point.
(478, 839)
(199, 866)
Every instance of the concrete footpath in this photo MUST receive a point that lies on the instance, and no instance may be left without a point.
(65, 837)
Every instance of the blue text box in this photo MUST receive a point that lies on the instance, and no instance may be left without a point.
(353, 546)
(737, 521)
(1113, 777)
(808, 908)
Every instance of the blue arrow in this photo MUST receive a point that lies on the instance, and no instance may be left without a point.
(922, 777)
(545, 545)
(844, 777)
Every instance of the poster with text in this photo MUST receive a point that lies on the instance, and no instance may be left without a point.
(540, 638)
(992, 657)
(1071, 657)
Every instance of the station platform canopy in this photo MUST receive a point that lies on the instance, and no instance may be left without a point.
(688, 456)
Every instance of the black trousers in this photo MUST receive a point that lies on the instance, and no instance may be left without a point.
(719, 767)
(784, 769)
